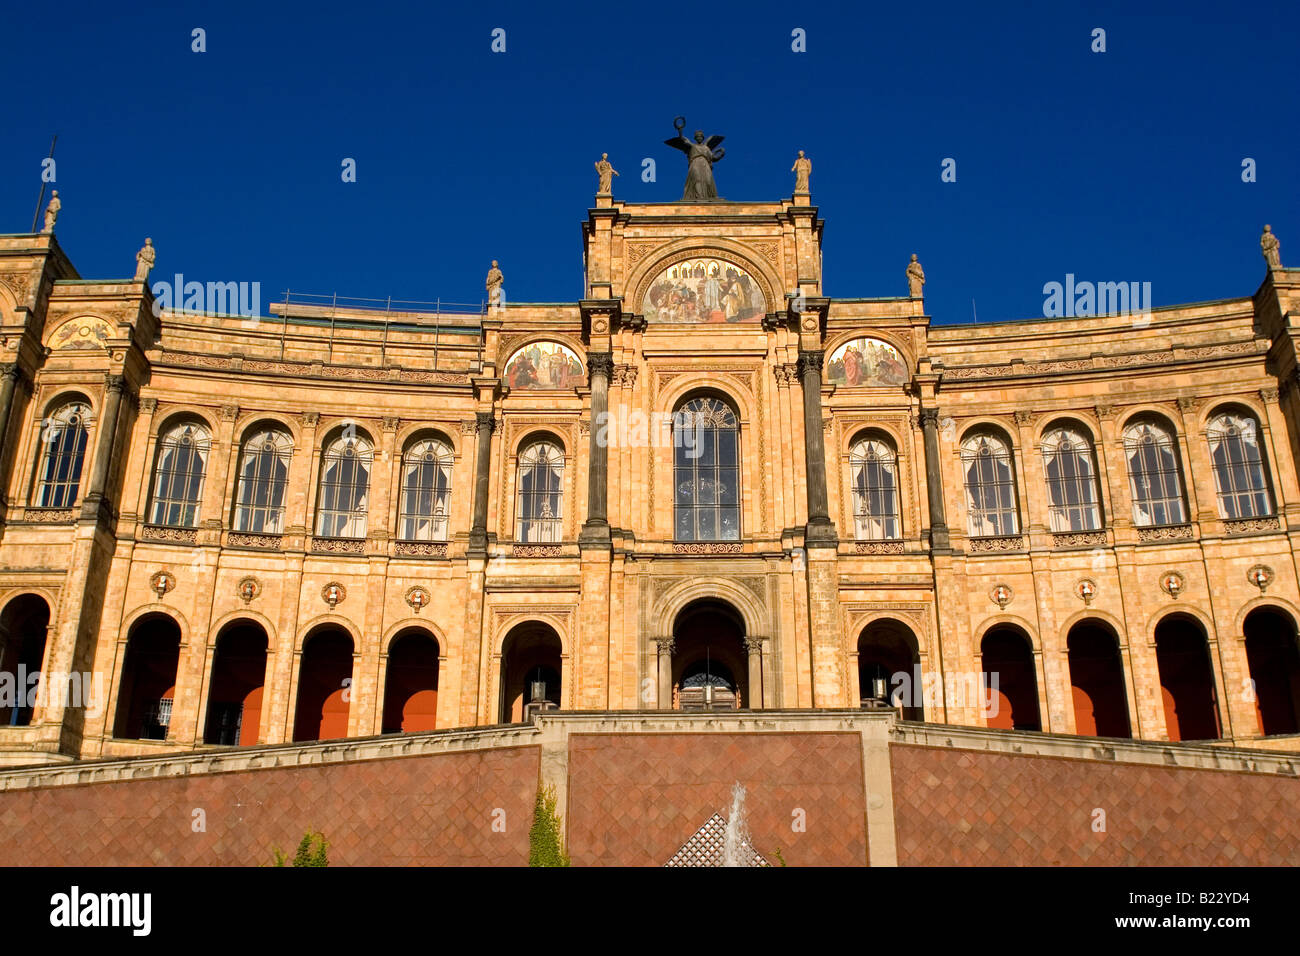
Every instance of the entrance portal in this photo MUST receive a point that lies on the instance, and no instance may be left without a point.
(710, 663)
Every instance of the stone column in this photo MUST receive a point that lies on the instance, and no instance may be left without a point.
(483, 423)
(114, 386)
(820, 528)
(933, 481)
(595, 530)
(666, 648)
(9, 374)
(754, 651)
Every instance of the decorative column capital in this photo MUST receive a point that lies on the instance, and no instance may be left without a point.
(929, 418)
(10, 371)
(115, 383)
(667, 646)
(810, 362)
(600, 363)
(229, 413)
(390, 423)
(754, 644)
(483, 421)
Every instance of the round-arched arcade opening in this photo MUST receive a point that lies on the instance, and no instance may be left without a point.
(889, 668)
(710, 667)
(531, 671)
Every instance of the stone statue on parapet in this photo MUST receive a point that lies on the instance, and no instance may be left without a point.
(606, 172)
(802, 169)
(700, 155)
(915, 278)
(494, 282)
(144, 260)
(1271, 247)
(52, 211)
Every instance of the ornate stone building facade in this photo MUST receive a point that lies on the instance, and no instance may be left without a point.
(704, 485)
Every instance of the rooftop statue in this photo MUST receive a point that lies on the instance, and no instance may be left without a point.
(915, 278)
(701, 156)
(1271, 246)
(144, 260)
(606, 171)
(802, 168)
(52, 211)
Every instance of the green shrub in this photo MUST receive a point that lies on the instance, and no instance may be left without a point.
(311, 851)
(545, 842)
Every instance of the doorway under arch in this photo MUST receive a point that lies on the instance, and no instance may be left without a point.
(1186, 679)
(238, 676)
(23, 626)
(411, 684)
(889, 668)
(1097, 681)
(324, 685)
(531, 671)
(1011, 679)
(1273, 655)
(710, 665)
(145, 697)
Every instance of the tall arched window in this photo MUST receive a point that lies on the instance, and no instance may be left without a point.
(1154, 480)
(990, 486)
(1239, 477)
(540, 492)
(262, 482)
(706, 471)
(873, 472)
(178, 475)
(1073, 501)
(344, 486)
(63, 453)
(426, 491)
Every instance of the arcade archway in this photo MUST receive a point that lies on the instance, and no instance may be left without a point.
(1097, 681)
(1186, 679)
(889, 668)
(324, 685)
(1273, 655)
(1011, 679)
(710, 664)
(531, 671)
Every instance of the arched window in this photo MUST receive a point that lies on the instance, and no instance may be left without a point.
(990, 486)
(540, 492)
(1153, 475)
(426, 491)
(1239, 477)
(178, 475)
(706, 471)
(344, 486)
(1073, 503)
(873, 471)
(63, 453)
(262, 482)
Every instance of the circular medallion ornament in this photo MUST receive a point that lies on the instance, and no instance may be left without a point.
(334, 594)
(249, 588)
(1173, 583)
(599, 325)
(417, 598)
(1001, 595)
(161, 582)
(1086, 589)
(1261, 575)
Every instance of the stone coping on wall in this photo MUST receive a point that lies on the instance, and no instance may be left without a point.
(1201, 756)
(550, 730)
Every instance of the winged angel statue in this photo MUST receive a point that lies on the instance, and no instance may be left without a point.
(701, 155)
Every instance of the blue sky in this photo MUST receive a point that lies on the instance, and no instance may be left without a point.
(1121, 166)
